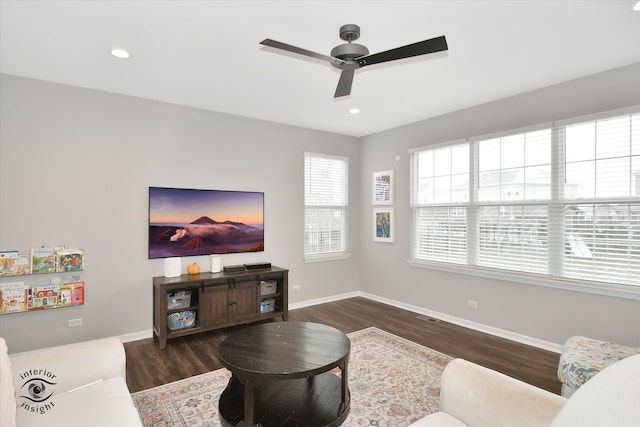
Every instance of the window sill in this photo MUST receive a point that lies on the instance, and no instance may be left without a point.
(599, 288)
(326, 257)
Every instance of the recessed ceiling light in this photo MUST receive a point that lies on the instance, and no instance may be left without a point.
(120, 53)
(354, 110)
(636, 6)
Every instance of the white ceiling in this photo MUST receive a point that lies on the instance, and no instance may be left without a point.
(206, 54)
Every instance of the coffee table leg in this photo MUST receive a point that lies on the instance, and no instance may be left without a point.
(248, 403)
(345, 382)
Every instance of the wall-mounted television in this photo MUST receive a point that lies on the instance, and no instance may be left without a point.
(188, 222)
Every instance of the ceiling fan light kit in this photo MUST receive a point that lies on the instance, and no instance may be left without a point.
(350, 56)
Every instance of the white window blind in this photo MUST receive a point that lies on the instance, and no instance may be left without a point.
(443, 234)
(560, 201)
(441, 177)
(514, 170)
(326, 201)
(602, 200)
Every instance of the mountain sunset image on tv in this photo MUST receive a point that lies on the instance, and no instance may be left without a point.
(188, 222)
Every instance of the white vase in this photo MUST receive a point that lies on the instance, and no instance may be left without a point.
(172, 267)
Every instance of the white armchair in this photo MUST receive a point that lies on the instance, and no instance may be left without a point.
(474, 396)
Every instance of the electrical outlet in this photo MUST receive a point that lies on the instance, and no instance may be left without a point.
(73, 323)
(472, 303)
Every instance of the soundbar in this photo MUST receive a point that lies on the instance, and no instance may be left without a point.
(234, 268)
(258, 265)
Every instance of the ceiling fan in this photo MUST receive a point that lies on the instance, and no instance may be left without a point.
(350, 56)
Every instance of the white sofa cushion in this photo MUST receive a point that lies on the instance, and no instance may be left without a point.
(475, 396)
(611, 398)
(72, 365)
(7, 392)
(482, 397)
(103, 404)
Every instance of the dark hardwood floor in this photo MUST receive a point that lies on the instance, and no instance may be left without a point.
(148, 366)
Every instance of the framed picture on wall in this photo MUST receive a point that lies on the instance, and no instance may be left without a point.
(383, 188)
(383, 226)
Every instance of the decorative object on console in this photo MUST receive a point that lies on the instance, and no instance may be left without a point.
(172, 267)
(193, 268)
(216, 263)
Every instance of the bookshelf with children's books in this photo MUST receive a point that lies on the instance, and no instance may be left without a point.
(41, 278)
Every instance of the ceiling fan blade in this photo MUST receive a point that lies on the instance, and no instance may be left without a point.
(437, 44)
(299, 51)
(344, 84)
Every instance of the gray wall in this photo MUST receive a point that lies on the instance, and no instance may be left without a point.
(75, 167)
(542, 313)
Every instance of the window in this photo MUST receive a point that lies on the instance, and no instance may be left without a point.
(560, 202)
(325, 206)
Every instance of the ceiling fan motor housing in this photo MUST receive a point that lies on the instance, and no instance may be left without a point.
(349, 51)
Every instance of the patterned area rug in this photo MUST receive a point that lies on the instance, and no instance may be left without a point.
(393, 382)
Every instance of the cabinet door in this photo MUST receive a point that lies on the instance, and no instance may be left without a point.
(245, 297)
(214, 305)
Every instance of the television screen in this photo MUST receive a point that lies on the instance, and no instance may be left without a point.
(187, 222)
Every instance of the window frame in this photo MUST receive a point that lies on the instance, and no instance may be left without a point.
(555, 205)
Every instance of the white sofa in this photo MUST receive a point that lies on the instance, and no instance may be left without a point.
(81, 385)
(474, 396)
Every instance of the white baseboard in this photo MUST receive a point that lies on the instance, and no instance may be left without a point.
(502, 333)
(135, 336)
(324, 300)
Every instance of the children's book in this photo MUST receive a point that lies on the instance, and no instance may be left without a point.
(45, 296)
(8, 263)
(71, 260)
(71, 293)
(23, 262)
(43, 260)
(13, 297)
(77, 294)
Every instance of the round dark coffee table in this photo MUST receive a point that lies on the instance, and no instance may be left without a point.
(280, 375)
